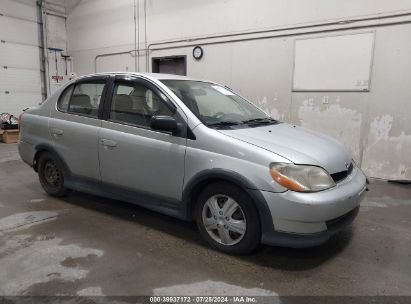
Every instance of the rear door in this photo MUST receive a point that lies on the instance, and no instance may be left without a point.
(75, 125)
(132, 155)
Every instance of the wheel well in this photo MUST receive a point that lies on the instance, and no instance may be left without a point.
(42, 150)
(36, 158)
(196, 190)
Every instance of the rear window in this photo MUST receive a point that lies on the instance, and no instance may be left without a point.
(85, 99)
(82, 99)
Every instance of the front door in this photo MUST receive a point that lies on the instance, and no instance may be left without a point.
(132, 155)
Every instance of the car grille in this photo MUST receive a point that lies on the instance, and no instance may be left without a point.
(339, 176)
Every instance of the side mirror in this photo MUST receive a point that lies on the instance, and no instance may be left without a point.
(163, 123)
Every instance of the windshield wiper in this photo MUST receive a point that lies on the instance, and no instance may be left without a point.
(224, 124)
(257, 121)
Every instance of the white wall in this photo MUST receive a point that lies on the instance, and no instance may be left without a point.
(372, 125)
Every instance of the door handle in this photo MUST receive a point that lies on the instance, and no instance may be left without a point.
(108, 143)
(57, 132)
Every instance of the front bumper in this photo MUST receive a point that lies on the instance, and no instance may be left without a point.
(309, 219)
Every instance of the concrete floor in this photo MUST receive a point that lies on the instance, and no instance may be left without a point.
(87, 245)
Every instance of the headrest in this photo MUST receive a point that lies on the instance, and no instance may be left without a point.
(123, 103)
(80, 100)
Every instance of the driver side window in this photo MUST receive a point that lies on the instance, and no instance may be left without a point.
(135, 104)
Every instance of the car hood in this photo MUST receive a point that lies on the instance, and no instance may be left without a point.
(299, 145)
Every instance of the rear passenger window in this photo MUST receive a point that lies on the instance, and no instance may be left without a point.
(64, 100)
(85, 99)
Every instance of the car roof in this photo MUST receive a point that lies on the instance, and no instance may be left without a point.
(157, 76)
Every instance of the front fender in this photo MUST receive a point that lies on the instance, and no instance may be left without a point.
(194, 186)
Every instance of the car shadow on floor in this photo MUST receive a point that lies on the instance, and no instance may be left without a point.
(288, 259)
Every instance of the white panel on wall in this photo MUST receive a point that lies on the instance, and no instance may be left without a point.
(19, 31)
(19, 9)
(56, 32)
(333, 63)
(20, 80)
(19, 56)
(15, 103)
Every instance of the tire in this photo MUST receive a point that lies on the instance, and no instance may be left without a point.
(228, 228)
(51, 175)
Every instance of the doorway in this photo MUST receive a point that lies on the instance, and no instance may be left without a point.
(176, 65)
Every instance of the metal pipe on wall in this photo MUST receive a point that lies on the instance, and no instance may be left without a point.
(340, 23)
(135, 35)
(145, 29)
(42, 49)
(138, 36)
(278, 32)
(43, 10)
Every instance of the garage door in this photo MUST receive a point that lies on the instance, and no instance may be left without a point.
(20, 77)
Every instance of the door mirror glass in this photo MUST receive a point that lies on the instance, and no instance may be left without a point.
(163, 123)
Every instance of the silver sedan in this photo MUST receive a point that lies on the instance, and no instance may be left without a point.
(197, 151)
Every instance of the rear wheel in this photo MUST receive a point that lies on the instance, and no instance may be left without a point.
(228, 219)
(51, 175)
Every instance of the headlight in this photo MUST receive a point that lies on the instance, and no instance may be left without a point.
(301, 178)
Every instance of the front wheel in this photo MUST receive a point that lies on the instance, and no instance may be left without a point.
(228, 219)
(51, 175)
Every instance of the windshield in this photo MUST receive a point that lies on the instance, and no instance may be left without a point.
(217, 106)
